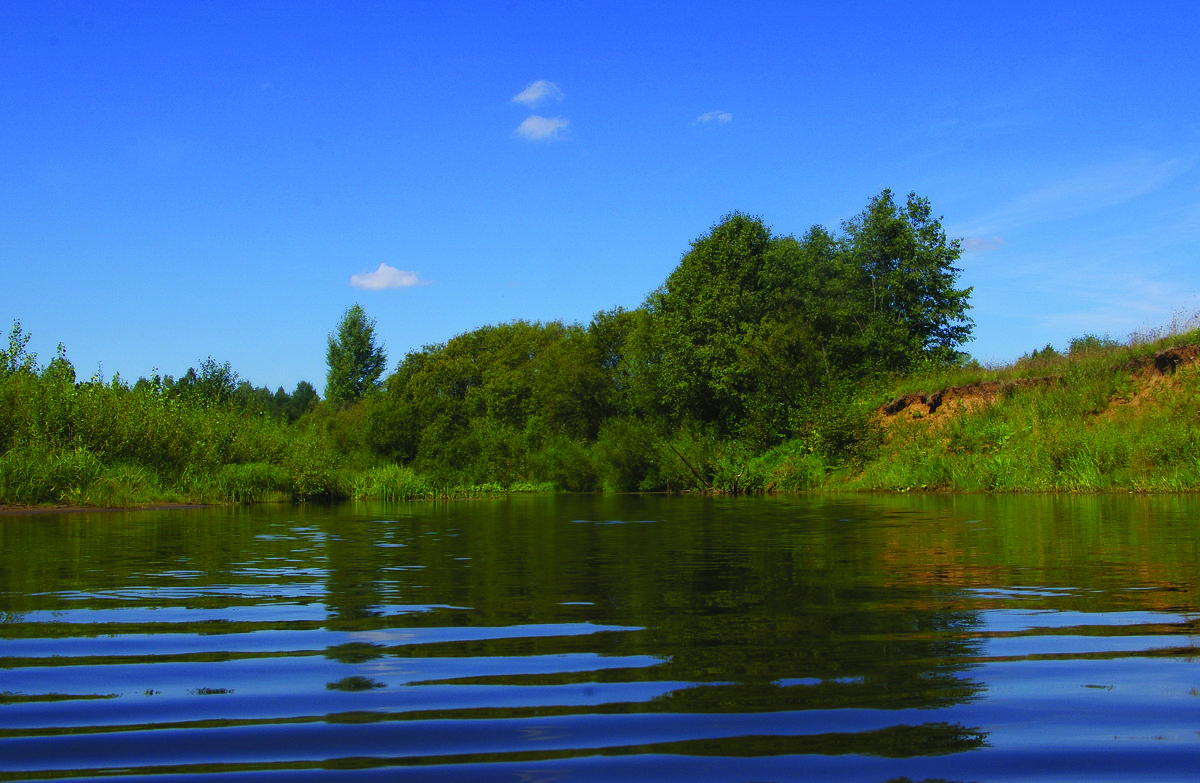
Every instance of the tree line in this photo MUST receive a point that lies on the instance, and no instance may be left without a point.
(745, 370)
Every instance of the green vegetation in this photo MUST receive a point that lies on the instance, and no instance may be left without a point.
(355, 362)
(1102, 417)
(763, 363)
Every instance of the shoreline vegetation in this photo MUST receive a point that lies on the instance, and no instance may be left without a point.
(764, 363)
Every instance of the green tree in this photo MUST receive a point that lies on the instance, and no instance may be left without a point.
(217, 383)
(506, 402)
(901, 306)
(17, 359)
(59, 370)
(214, 385)
(750, 325)
(302, 398)
(700, 317)
(355, 362)
(252, 399)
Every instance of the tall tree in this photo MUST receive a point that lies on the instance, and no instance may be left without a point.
(701, 315)
(750, 324)
(215, 384)
(303, 397)
(355, 361)
(902, 300)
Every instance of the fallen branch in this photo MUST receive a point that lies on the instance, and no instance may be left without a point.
(695, 472)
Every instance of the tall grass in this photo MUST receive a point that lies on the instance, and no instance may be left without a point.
(1110, 423)
(97, 444)
(103, 444)
(391, 482)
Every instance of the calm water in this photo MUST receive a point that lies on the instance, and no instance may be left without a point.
(596, 638)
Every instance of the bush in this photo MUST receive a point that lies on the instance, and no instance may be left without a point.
(567, 464)
(312, 469)
(789, 467)
(626, 455)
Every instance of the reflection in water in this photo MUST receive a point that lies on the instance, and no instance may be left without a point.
(588, 638)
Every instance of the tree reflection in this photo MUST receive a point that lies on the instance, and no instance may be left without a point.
(748, 615)
(354, 570)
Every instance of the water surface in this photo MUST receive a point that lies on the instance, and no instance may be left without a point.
(602, 637)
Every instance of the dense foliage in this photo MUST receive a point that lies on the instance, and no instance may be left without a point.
(750, 326)
(207, 436)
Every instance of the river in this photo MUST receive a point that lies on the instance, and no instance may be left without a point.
(592, 638)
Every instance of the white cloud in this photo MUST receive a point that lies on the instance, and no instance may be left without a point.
(385, 277)
(713, 116)
(538, 128)
(537, 93)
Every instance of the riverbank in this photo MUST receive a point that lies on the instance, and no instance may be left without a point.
(10, 510)
(1098, 417)
(1102, 418)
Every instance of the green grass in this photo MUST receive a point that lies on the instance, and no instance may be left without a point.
(391, 482)
(1108, 424)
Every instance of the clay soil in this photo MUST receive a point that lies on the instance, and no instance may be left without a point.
(1147, 371)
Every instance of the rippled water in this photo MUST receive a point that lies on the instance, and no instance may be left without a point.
(596, 638)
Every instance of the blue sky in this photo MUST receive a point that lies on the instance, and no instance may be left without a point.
(181, 180)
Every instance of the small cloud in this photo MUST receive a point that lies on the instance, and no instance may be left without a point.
(537, 93)
(385, 277)
(721, 117)
(981, 245)
(537, 128)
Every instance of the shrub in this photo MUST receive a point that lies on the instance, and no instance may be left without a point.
(567, 464)
(626, 455)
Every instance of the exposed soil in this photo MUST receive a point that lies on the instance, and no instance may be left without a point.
(969, 397)
(957, 399)
(1165, 362)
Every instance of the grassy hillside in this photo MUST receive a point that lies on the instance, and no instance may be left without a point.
(1102, 417)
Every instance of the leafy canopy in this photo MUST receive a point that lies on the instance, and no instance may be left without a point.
(751, 324)
(900, 298)
(355, 362)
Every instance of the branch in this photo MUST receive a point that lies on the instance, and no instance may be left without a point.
(689, 465)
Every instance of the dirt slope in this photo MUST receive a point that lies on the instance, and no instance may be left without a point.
(1146, 370)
